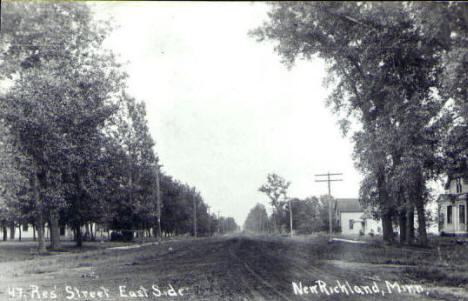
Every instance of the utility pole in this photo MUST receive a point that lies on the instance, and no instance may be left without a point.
(194, 216)
(158, 201)
(329, 180)
(290, 218)
(209, 221)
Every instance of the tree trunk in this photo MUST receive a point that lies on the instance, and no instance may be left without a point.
(5, 233)
(422, 234)
(34, 232)
(419, 202)
(400, 202)
(41, 235)
(158, 202)
(12, 231)
(386, 211)
(276, 220)
(87, 235)
(19, 232)
(79, 238)
(93, 231)
(39, 218)
(387, 227)
(54, 231)
(402, 224)
(410, 224)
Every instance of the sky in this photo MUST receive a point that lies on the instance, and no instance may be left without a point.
(222, 109)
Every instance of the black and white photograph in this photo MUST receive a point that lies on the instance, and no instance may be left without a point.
(233, 150)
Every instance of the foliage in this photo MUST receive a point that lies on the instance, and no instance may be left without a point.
(74, 143)
(276, 190)
(384, 70)
(61, 94)
(257, 219)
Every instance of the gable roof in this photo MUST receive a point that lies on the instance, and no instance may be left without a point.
(451, 197)
(461, 171)
(348, 205)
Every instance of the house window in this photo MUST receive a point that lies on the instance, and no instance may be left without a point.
(449, 214)
(351, 224)
(25, 227)
(461, 214)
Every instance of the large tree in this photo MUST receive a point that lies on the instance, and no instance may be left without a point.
(310, 215)
(276, 189)
(447, 25)
(62, 86)
(257, 219)
(382, 70)
(135, 207)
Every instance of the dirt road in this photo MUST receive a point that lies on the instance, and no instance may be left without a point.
(229, 268)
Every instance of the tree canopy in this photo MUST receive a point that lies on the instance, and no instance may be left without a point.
(76, 148)
(386, 73)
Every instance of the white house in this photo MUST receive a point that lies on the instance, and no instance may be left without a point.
(27, 231)
(453, 205)
(353, 220)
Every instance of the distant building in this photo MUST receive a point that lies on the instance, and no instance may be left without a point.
(28, 232)
(453, 204)
(353, 220)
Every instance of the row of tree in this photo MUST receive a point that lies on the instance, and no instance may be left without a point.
(75, 147)
(398, 71)
(308, 216)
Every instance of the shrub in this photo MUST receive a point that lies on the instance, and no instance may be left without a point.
(115, 236)
(127, 235)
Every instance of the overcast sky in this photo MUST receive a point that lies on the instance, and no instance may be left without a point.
(222, 109)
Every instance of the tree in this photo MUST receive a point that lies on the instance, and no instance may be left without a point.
(324, 216)
(227, 225)
(382, 69)
(309, 215)
(61, 95)
(447, 25)
(136, 206)
(13, 183)
(257, 219)
(276, 190)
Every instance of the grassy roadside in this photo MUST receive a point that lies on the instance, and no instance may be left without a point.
(192, 261)
(443, 262)
(27, 249)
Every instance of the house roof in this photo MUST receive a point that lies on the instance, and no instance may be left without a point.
(460, 171)
(455, 175)
(450, 197)
(348, 205)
